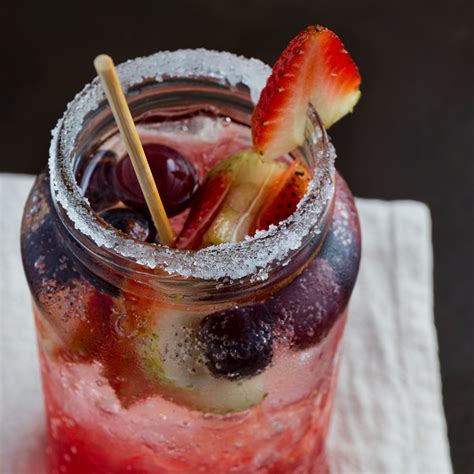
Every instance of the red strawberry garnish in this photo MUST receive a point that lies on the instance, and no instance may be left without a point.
(205, 207)
(284, 196)
(314, 68)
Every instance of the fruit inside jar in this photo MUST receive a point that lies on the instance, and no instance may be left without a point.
(264, 362)
(230, 193)
(222, 181)
(215, 189)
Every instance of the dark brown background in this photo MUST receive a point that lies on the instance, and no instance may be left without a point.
(410, 136)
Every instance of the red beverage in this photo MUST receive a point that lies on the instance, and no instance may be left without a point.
(223, 358)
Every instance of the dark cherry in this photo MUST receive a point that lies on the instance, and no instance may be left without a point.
(237, 342)
(176, 178)
(132, 222)
(99, 183)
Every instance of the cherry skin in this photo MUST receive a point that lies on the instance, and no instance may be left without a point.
(176, 178)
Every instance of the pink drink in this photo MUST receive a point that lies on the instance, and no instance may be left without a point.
(224, 360)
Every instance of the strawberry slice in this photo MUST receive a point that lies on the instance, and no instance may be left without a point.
(87, 334)
(314, 68)
(230, 200)
(252, 178)
(206, 205)
(284, 196)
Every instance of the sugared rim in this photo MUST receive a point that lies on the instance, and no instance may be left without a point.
(251, 257)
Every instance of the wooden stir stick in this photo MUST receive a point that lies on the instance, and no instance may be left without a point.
(106, 70)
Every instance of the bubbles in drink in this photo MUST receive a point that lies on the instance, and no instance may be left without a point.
(308, 307)
(47, 261)
(238, 342)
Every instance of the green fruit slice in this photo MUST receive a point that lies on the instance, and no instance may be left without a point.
(171, 357)
(251, 177)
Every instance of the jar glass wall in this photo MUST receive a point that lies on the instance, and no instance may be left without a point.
(163, 360)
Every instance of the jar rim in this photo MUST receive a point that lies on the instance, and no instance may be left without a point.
(251, 257)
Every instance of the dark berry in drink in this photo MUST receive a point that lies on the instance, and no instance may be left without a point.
(46, 259)
(98, 180)
(237, 342)
(342, 245)
(176, 178)
(132, 222)
(308, 307)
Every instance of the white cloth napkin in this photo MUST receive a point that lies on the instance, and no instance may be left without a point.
(388, 416)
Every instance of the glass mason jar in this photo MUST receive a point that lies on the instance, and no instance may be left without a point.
(163, 360)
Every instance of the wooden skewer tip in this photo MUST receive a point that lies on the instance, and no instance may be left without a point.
(103, 62)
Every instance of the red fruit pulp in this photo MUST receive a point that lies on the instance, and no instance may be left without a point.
(284, 196)
(205, 207)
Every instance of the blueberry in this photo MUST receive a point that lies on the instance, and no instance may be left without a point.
(341, 247)
(307, 308)
(237, 342)
(45, 259)
(134, 223)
